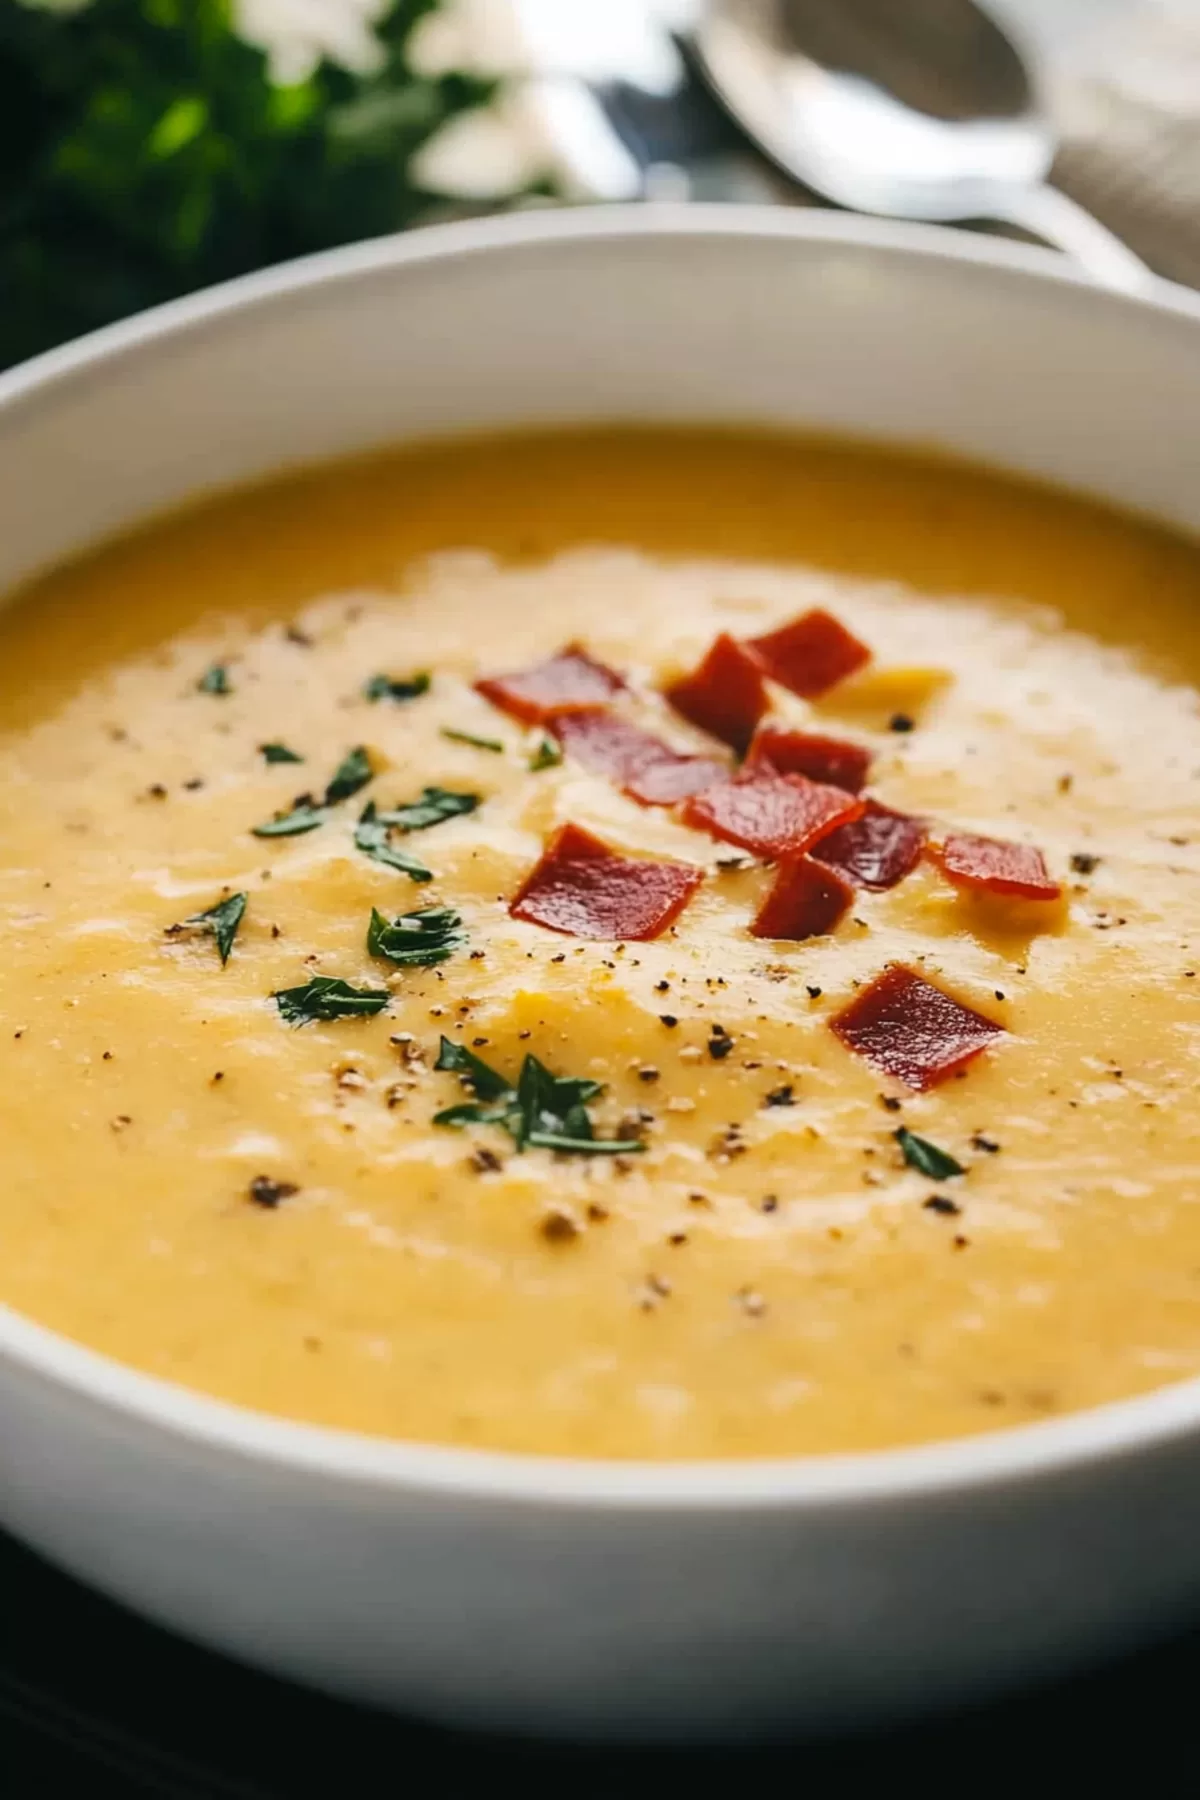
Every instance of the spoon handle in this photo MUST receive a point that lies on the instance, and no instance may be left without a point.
(1060, 221)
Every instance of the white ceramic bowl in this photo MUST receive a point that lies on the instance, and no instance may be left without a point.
(688, 1601)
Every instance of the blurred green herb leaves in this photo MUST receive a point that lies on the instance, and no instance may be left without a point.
(145, 151)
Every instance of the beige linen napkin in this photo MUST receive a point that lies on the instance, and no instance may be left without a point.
(1126, 97)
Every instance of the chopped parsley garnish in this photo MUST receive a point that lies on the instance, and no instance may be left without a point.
(434, 805)
(469, 737)
(925, 1157)
(215, 680)
(485, 1084)
(304, 816)
(386, 687)
(548, 755)
(223, 921)
(416, 939)
(353, 772)
(553, 1110)
(278, 753)
(326, 997)
(543, 1111)
(373, 836)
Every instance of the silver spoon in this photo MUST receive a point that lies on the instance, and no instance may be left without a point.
(920, 109)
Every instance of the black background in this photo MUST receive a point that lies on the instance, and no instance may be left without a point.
(93, 1702)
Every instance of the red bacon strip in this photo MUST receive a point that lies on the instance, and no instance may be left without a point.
(827, 759)
(647, 769)
(669, 780)
(568, 681)
(993, 866)
(725, 695)
(582, 888)
(810, 654)
(876, 851)
(771, 815)
(606, 743)
(905, 1027)
(805, 901)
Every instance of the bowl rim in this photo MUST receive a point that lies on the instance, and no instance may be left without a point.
(945, 1467)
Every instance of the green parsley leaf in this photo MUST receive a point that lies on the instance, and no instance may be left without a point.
(386, 687)
(571, 1146)
(485, 1083)
(544, 1111)
(222, 920)
(434, 805)
(215, 680)
(278, 753)
(304, 816)
(416, 939)
(353, 772)
(471, 1113)
(325, 997)
(548, 755)
(468, 737)
(552, 1104)
(925, 1157)
(374, 838)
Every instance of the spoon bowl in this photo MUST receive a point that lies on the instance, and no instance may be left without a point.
(922, 111)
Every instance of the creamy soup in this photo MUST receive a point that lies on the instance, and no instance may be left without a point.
(729, 1209)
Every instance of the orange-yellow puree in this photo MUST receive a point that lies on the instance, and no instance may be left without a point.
(778, 1287)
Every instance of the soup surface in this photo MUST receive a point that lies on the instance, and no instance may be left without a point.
(202, 1184)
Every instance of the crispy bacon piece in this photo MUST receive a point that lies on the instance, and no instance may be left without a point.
(876, 851)
(568, 681)
(582, 888)
(771, 815)
(904, 1026)
(810, 654)
(832, 760)
(725, 695)
(806, 900)
(669, 780)
(992, 866)
(605, 743)
(642, 764)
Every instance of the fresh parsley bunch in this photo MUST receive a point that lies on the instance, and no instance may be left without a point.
(146, 151)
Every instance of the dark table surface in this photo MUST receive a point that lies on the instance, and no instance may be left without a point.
(94, 1702)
